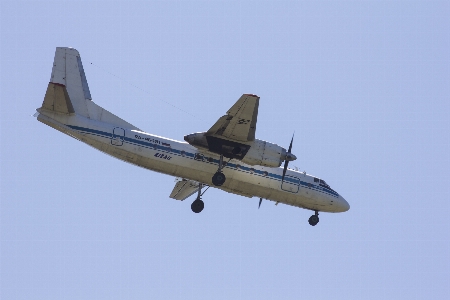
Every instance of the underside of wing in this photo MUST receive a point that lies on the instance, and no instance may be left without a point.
(183, 189)
(239, 123)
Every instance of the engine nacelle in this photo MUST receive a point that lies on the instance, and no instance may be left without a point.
(265, 154)
(253, 153)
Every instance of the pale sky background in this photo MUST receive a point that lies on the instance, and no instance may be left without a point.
(365, 85)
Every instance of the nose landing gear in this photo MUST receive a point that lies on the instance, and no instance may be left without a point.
(314, 219)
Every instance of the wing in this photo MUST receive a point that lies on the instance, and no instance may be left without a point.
(183, 189)
(239, 123)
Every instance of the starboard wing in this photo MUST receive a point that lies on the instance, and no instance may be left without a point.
(183, 189)
(239, 123)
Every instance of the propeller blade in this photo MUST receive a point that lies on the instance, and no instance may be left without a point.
(286, 162)
(260, 200)
(290, 146)
(284, 170)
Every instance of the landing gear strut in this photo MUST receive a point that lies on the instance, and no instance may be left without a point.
(314, 219)
(198, 204)
(219, 178)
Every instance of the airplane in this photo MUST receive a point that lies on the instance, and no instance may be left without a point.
(227, 156)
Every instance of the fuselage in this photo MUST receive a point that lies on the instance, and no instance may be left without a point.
(180, 159)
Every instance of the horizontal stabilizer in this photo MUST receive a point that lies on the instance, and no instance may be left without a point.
(57, 99)
(183, 189)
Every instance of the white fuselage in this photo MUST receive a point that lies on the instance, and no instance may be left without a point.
(183, 160)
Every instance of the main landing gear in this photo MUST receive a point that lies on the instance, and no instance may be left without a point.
(314, 219)
(198, 204)
(219, 178)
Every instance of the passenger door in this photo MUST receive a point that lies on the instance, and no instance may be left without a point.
(291, 184)
(118, 136)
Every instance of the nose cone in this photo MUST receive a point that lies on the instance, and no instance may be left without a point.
(343, 204)
(290, 157)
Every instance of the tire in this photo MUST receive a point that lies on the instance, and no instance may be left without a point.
(313, 220)
(218, 179)
(197, 206)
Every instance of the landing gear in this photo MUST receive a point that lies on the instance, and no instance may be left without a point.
(314, 219)
(219, 178)
(198, 204)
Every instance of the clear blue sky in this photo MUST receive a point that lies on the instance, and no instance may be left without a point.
(364, 85)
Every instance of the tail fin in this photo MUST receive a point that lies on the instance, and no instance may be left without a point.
(68, 91)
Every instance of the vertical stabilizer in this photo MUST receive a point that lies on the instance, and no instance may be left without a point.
(68, 90)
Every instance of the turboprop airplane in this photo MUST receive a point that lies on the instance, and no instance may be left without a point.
(227, 156)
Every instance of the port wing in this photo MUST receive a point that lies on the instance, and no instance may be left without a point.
(239, 123)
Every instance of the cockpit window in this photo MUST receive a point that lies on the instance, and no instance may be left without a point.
(324, 183)
(321, 182)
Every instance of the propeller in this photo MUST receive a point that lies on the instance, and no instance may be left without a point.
(260, 200)
(289, 157)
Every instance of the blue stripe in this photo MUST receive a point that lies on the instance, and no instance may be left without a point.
(88, 130)
(215, 161)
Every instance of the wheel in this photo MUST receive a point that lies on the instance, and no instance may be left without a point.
(313, 220)
(197, 206)
(218, 179)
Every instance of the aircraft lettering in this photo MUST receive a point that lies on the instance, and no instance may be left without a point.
(163, 156)
(243, 121)
(151, 140)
